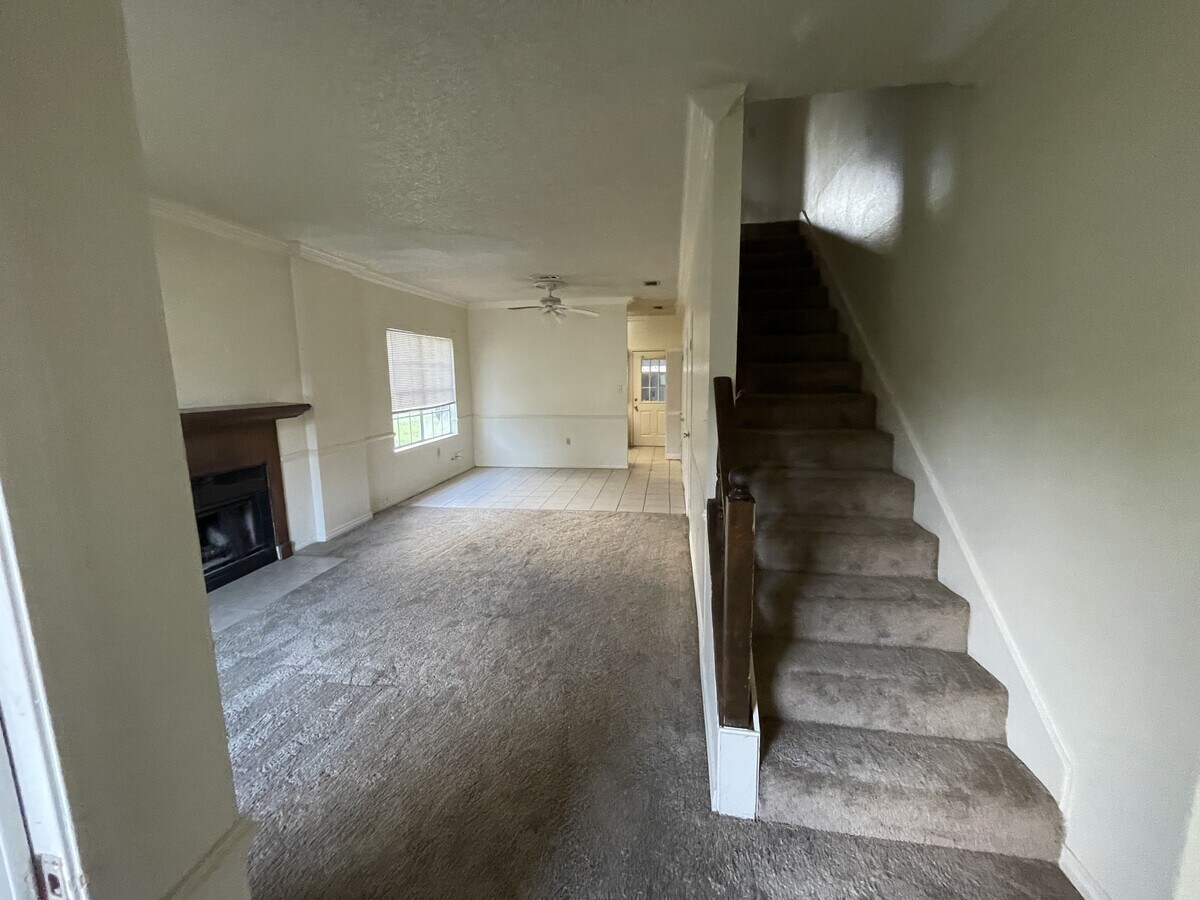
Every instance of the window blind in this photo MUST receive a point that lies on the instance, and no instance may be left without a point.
(421, 369)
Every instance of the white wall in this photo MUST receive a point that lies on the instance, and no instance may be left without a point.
(332, 362)
(232, 326)
(93, 470)
(1022, 260)
(773, 159)
(396, 476)
(710, 242)
(252, 321)
(539, 384)
(1188, 885)
(656, 332)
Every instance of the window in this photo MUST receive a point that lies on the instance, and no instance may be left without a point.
(421, 370)
(654, 380)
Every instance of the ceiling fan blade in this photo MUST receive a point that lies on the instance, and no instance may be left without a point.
(526, 307)
(581, 311)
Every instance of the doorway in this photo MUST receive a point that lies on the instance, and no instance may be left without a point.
(648, 398)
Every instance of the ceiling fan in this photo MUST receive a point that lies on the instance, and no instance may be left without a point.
(553, 306)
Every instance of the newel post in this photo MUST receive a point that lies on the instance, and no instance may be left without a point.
(739, 602)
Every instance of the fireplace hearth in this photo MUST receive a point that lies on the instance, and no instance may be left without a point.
(233, 520)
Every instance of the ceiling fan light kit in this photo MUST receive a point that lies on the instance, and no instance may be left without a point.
(552, 306)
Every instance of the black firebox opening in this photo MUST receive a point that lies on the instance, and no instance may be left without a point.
(233, 519)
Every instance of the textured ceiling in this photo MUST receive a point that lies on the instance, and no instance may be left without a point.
(463, 145)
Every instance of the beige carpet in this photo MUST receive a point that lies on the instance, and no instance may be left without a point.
(488, 703)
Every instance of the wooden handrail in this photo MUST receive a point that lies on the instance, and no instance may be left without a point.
(731, 550)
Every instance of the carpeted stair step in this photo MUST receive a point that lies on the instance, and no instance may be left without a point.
(784, 246)
(837, 448)
(832, 346)
(769, 322)
(834, 376)
(841, 545)
(859, 609)
(833, 492)
(803, 296)
(789, 228)
(776, 279)
(806, 411)
(914, 690)
(965, 794)
(778, 260)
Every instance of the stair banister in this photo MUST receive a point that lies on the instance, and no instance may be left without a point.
(731, 549)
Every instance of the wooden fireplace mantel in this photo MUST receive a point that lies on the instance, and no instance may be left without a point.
(201, 418)
(222, 438)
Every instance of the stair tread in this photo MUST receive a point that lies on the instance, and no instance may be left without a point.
(830, 491)
(823, 448)
(748, 402)
(837, 409)
(969, 794)
(802, 365)
(844, 545)
(879, 610)
(859, 525)
(910, 762)
(925, 668)
(875, 588)
(814, 396)
(771, 431)
(911, 690)
(821, 346)
(796, 473)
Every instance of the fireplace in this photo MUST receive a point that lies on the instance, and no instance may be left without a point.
(233, 521)
(237, 487)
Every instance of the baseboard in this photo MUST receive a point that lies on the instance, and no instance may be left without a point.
(349, 526)
(220, 874)
(1056, 774)
(673, 455)
(1083, 880)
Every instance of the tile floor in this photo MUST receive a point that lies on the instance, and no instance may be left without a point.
(651, 484)
(252, 593)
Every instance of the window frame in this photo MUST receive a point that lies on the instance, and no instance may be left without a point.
(652, 380)
(434, 423)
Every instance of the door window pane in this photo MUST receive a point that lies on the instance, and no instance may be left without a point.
(654, 380)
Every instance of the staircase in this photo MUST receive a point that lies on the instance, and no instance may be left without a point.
(876, 722)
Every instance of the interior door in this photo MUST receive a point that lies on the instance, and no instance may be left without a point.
(17, 871)
(648, 381)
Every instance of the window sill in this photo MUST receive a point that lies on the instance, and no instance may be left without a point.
(434, 440)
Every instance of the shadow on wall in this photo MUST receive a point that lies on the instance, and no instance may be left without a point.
(1022, 259)
(871, 179)
(895, 176)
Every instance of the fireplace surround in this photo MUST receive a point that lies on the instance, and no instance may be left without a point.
(234, 523)
(237, 486)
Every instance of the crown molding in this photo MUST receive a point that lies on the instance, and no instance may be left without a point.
(181, 214)
(170, 211)
(366, 273)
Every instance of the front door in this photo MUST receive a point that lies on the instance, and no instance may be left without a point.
(648, 380)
